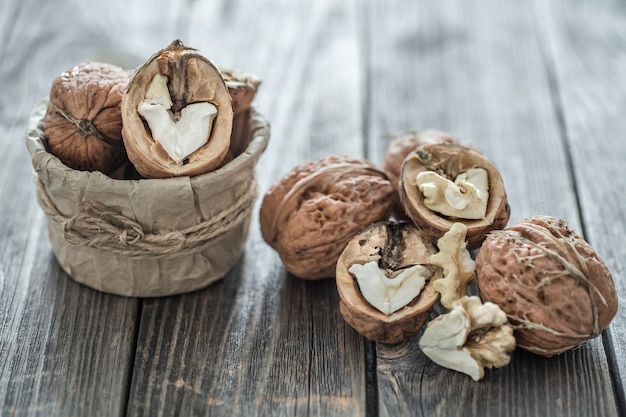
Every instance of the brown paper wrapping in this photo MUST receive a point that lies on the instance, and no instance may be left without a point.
(148, 237)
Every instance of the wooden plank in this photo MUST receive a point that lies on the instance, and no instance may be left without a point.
(589, 61)
(64, 349)
(262, 342)
(477, 71)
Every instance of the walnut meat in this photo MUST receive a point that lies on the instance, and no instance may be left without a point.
(555, 290)
(83, 123)
(472, 336)
(310, 214)
(476, 181)
(375, 264)
(177, 115)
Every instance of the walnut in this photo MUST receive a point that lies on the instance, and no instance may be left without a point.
(552, 285)
(384, 279)
(310, 214)
(401, 146)
(177, 115)
(83, 124)
(242, 87)
(460, 180)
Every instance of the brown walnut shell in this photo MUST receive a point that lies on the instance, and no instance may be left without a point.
(555, 290)
(310, 214)
(242, 87)
(399, 148)
(192, 79)
(450, 160)
(394, 246)
(83, 123)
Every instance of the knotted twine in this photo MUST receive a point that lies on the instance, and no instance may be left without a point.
(100, 227)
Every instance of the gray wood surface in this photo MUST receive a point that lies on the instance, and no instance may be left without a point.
(481, 72)
(534, 85)
(589, 64)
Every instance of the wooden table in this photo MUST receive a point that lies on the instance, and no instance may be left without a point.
(538, 86)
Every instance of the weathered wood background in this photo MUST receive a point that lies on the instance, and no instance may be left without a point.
(538, 86)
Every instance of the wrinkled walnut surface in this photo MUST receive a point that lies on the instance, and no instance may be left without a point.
(394, 246)
(552, 285)
(398, 149)
(450, 160)
(311, 213)
(83, 123)
(192, 79)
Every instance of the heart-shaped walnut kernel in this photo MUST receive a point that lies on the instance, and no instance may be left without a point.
(312, 212)
(397, 251)
(177, 115)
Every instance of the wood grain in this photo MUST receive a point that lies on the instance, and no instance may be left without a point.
(539, 87)
(64, 349)
(589, 62)
(479, 73)
(263, 342)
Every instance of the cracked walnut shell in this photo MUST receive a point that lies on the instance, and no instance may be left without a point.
(554, 288)
(393, 247)
(83, 123)
(451, 161)
(166, 131)
(312, 213)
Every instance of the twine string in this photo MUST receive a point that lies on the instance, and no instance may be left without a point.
(102, 228)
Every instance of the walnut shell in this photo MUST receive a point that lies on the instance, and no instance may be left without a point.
(550, 282)
(399, 148)
(242, 87)
(310, 214)
(83, 124)
(192, 79)
(394, 246)
(450, 160)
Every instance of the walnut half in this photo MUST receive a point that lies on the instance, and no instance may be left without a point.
(177, 115)
(385, 281)
(455, 173)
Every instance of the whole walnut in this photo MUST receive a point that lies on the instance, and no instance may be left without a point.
(312, 213)
(83, 123)
(554, 288)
